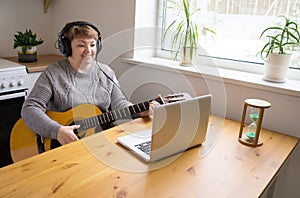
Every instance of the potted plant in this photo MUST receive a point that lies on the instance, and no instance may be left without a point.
(186, 33)
(26, 43)
(282, 39)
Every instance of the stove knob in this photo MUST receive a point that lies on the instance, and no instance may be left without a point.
(12, 83)
(21, 82)
(4, 84)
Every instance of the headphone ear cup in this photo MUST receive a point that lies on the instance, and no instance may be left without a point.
(65, 47)
(99, 46)
(60, 45)
(68, 48)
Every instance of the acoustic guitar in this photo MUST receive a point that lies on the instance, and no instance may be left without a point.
(24, 142)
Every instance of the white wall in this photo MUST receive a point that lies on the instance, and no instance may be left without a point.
(228, 98)
(110, 16)
(18, 15)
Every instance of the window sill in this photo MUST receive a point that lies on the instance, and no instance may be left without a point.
(290, 87)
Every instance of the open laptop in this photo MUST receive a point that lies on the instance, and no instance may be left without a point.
(176, 127)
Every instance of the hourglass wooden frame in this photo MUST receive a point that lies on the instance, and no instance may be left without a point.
(261, 105)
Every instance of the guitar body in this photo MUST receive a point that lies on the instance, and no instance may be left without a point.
(23, 142)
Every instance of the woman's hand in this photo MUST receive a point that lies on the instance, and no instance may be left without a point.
(66, 134)
(151, 107)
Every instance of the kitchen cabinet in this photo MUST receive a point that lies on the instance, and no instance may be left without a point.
(34, 69)
(42, 62)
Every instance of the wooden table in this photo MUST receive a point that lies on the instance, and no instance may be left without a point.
(42, 62)
(98, 167)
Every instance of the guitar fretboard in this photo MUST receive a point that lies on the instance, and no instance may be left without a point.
(114, 115)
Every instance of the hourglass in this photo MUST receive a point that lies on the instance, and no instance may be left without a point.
(250, 135)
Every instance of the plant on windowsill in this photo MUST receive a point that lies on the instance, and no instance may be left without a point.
(186, 33)
(282, 40)
(27, 43)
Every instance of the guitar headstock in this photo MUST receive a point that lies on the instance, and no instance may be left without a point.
(173, 98)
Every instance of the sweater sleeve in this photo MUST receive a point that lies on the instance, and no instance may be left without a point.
(34, 108)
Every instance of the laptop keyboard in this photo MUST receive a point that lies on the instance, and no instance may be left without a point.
(144, 146)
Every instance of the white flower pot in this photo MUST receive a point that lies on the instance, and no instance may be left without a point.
(186, 60)
(276, 67)
(29, 56)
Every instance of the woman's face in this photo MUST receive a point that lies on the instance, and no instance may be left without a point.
(83, 50)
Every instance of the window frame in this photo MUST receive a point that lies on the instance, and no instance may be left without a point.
(227, 63)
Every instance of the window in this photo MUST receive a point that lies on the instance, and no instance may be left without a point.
(238, 25)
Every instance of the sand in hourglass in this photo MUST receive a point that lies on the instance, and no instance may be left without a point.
(251, 129)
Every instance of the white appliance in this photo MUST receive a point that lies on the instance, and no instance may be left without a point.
(13, 92)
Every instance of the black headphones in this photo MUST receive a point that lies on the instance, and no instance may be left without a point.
(64, 43)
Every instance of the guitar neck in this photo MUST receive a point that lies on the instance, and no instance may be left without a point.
(114, 115)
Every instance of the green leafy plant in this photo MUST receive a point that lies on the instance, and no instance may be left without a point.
(186, 29)
(26, 40)
(281, 38)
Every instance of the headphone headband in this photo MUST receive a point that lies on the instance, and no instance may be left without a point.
(64, 43)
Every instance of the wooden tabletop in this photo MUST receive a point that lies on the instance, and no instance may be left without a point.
(97, 166)
(42, 62)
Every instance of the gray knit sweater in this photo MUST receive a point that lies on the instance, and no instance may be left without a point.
(60, 88)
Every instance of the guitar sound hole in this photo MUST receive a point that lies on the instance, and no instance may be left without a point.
(54, 144)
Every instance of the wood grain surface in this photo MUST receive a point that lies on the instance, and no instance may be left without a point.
(97, 166)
